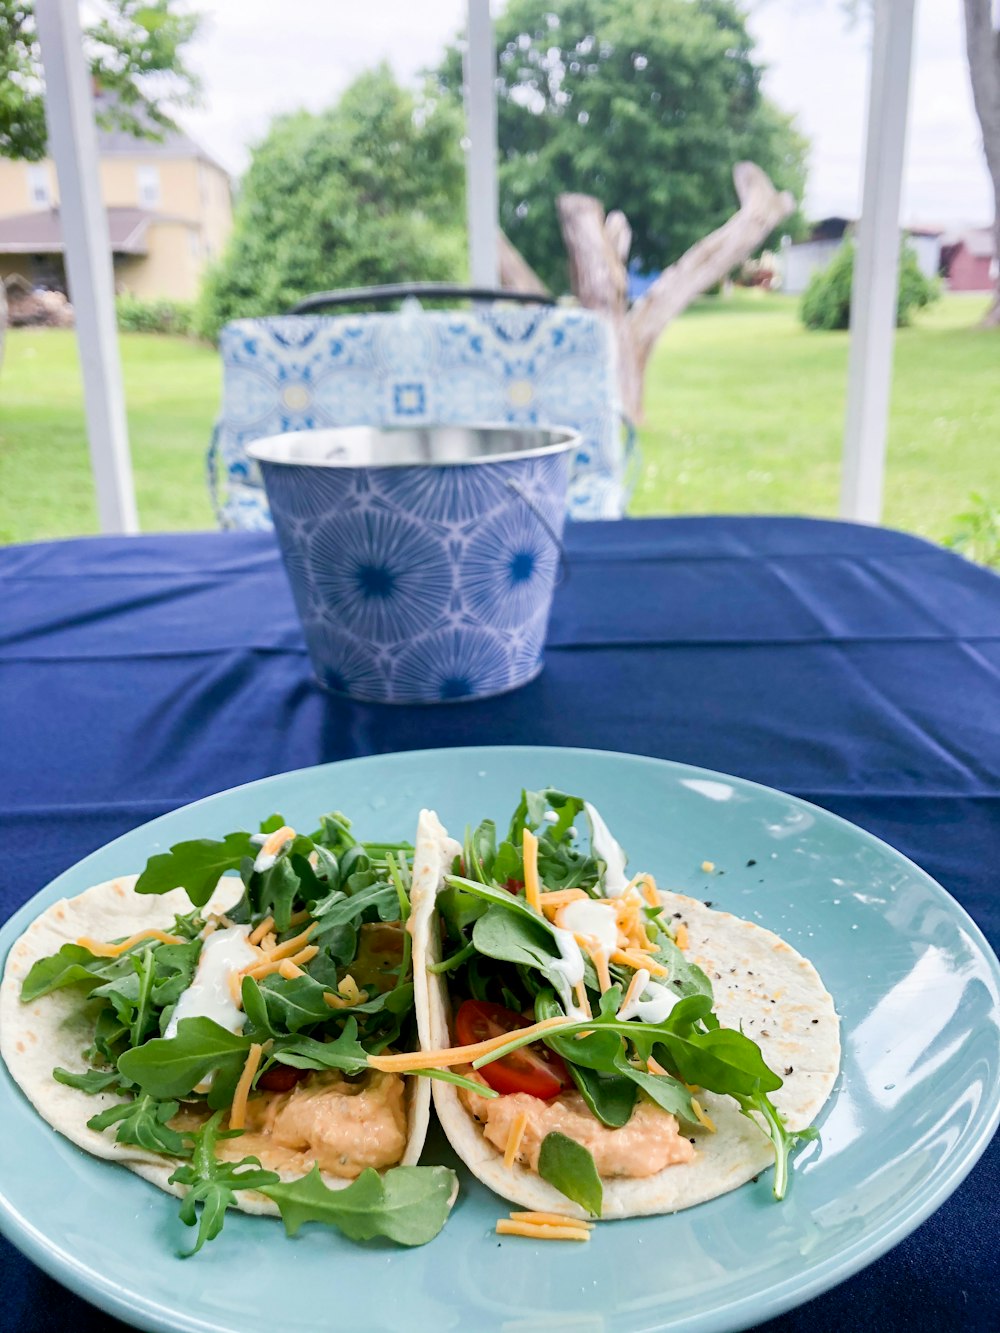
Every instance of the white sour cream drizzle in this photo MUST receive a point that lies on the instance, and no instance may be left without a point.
(223, 953)
(653, 1010)
(594, 918)
(603, 845)
(569, 965)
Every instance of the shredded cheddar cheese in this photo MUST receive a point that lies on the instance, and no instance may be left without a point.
(235, 983)
(101, 950)
(580, 991)
(655, 1067)
(292, 946)
(703, 1117)
(553, 899)
(529, 844)
(458, 1055)
(708, 866)
(681, 937)
(550, 1219)
(647, 885)
(568, 1230)
(517, 1128)
(289, 970)
(258, 933)
(635, 961)
(630, 994)
(334, 1001)
(238, 1111)
(303, 956)
(276, 840)
(297, 918)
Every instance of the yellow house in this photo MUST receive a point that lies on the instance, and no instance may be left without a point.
(169, 214)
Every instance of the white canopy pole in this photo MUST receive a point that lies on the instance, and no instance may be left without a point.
(69, 112)
(876, 265)
(482, 208)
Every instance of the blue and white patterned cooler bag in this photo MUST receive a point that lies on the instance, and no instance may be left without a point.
(522, 365)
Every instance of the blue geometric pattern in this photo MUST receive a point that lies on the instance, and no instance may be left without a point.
(522, 365)
(422, 584)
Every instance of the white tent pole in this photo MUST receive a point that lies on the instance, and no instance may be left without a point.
(73, 142)
(876, 265)
(482, 208)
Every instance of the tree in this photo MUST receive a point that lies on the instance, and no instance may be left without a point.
(645, 104)
(982, 36)
(826, 302)
(135, 49)
(369, 191)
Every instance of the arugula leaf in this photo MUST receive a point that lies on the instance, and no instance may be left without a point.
(345, 1053)
(569, 1167)
(175, 965)
(272, 823)
(213, 1183)
(143, 1121)
(72, 965)
(94, 1080)
(273, 891)
(173, 1066)
(340, 909)
(514, 938)
(293, 1004)
(408, 1204)
(195, 866)
(784, 1140)
(459, 1080)
(502, 898)
(141, 1021)
(668, 1093)
(610, 1096)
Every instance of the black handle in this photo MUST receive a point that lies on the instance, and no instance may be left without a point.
(399, 291)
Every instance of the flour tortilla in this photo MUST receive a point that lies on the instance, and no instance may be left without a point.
(55, 1029)
(749, 968)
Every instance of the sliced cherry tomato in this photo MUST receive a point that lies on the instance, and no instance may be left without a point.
(513, 885)
(533, 1069)
(281, 1078)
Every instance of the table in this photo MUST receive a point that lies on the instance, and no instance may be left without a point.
(856, 667)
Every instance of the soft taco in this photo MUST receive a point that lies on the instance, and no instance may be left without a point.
(635, 1051)
(214, 1034)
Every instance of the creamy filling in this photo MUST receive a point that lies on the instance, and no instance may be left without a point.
(649, 1142)
(341, 1125)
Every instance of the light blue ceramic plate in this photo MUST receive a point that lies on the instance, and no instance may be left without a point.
(915, 1105)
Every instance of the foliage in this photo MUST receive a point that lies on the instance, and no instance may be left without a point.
(135, 49)
(138, 316)
(369, 191)
(826, 303)
(976, 534)
(646, 104)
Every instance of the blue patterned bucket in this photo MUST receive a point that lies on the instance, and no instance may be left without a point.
(422, 561)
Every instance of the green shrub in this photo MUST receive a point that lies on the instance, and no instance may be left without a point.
(138, 316)
(826, 303)
(976, 534)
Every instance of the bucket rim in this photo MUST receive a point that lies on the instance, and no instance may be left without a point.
(563, 439)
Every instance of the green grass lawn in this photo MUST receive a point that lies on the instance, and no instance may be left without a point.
(744, 413)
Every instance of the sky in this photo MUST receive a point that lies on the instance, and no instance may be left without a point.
(817, 67)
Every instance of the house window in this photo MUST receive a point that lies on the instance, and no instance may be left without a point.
(149, 186)
(38, 185)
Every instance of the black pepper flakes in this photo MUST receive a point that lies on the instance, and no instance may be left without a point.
(707, 901)
(789, 1070)
(677, 916)
(815, 1020)
(751, 862)
(764, 1032)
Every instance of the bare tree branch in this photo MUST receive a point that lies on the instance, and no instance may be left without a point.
(983, 44)
(598, 250)
(516, 274)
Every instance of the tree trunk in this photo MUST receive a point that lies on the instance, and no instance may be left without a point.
(983, 43)
(598, 253)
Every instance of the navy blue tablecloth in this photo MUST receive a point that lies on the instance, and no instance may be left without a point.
(857, 667)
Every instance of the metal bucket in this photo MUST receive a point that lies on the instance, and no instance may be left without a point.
(422, 561)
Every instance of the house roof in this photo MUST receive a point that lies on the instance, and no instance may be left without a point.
(40, 233)
(173, 143)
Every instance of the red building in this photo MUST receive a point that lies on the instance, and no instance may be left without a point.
(969, 261)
